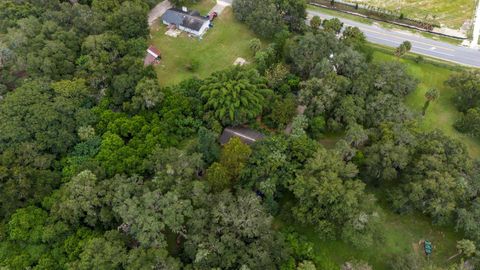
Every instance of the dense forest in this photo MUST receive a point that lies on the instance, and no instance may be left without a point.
(103, 168)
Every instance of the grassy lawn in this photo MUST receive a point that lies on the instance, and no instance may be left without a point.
(401, 234)
(218, 49)
(451, 13)
(442, 113)
(330, 139)
(204, 6)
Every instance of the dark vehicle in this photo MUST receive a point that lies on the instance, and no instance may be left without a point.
(212, 16)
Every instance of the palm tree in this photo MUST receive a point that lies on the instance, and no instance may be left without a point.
(255, 45)
(431, 95)
(235, 96)
(315, 23)
(405, 47)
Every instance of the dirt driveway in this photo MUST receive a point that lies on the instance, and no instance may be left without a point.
(220, 6)
(158, 11)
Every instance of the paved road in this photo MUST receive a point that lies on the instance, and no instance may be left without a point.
(421, 45)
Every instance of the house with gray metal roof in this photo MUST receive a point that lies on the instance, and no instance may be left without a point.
(246, 135)
(190, 22)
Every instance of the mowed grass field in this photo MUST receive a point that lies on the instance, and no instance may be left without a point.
(451, 13)
(218, 49)
(442, 113)
(203, 6)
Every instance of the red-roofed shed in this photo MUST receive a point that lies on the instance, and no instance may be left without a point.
(153, 56)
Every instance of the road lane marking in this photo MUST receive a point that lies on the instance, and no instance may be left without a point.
(431, 50)
(420, 42)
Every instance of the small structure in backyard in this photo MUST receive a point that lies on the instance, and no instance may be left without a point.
(153, 56)
(240, 62)
(173, 33)
(246, 135)
(190, 22)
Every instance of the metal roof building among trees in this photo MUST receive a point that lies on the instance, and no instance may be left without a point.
(246, 135)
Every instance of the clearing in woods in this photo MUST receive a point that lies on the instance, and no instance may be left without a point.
(186, 57)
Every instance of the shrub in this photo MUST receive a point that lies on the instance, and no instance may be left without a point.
(469, 123)
(419, 59)
(317, 127)
(283, 111)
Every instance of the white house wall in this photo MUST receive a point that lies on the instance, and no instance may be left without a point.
(204, 28)
(188, 30)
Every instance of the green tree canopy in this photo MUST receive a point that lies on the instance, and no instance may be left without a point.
(234, 156)
(315, 23)
(436, 178)
(305, 52)
(333, 25)
(353, 36)
(235, 96)
(393, 78)
(267, 18)
(469, 122)
(329, 198)
(467, 87)
(234, 231)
